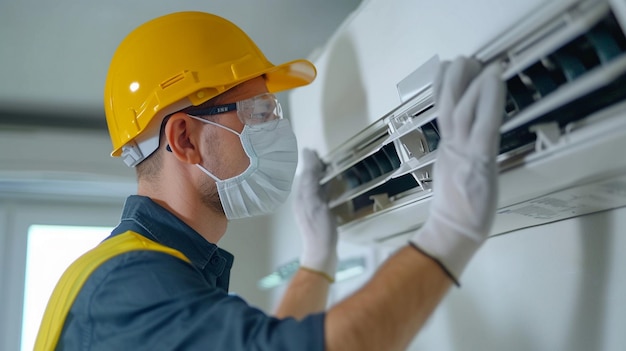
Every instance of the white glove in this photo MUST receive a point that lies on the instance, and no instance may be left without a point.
(464, 179)
(317, 224)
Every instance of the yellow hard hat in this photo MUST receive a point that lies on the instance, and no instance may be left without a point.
(176, 61)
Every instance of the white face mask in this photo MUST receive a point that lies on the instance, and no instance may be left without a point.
(266, 183)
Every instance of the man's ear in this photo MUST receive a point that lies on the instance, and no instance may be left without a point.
(182, 137)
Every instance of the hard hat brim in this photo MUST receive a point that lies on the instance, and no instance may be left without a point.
(290, 75)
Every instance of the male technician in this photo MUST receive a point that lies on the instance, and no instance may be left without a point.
(189, 104)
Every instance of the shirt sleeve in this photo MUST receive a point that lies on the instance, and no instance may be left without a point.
(152, 301)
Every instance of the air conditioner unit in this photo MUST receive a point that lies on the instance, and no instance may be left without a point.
(563, 137)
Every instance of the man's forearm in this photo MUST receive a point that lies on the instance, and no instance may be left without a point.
(307, 293)
(388, 311)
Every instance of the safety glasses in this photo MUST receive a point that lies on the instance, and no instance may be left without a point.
(262, 110)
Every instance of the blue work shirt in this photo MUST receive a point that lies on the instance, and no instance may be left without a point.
(147, 300)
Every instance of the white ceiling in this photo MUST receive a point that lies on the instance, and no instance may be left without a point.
(54, 54)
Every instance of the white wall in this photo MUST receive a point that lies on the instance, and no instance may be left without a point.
(250, 241)
(554, 287)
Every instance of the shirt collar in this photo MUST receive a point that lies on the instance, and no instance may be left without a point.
(149, 219)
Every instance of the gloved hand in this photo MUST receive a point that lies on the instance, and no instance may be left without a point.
(465, 172)
(317, 224)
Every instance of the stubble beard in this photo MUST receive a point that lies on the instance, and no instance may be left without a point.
(210, 197)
